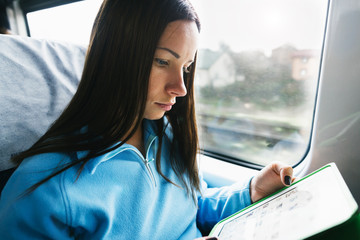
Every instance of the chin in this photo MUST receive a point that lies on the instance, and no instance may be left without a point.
(154, 116)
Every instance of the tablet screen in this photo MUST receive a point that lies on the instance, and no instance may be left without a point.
(304, 209)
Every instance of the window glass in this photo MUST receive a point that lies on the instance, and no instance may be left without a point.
(257, 72)
(71, 22)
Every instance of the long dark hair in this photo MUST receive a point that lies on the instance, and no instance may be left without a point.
(110, 100)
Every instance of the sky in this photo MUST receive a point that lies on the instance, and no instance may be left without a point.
(262, 24)
(243, 25)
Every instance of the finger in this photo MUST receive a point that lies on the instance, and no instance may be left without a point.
(285, 172)
(286, 175)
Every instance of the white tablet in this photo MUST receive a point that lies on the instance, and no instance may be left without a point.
(309, 206)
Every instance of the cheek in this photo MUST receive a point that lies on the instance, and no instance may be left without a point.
(152, 84)
(157, 82)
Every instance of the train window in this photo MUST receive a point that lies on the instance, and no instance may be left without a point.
(70, 22)
(257, 74)
(256, 77)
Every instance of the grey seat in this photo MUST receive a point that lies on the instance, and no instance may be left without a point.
(37, 80)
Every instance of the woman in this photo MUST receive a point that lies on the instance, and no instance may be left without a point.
(120, 162)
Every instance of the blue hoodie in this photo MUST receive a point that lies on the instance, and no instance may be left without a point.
(119, 195)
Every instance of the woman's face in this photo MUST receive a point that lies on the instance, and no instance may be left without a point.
(174, 55)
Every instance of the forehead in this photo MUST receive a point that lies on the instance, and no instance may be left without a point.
(180, 36)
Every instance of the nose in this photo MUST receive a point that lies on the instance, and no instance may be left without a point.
(176, 86)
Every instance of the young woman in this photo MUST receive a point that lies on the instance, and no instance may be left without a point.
(120, 162)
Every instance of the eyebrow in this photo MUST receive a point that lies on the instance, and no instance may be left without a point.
(170, 51)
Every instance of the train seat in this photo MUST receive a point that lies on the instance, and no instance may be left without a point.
(37, 80)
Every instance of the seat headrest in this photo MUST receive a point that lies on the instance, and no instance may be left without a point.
(37, 80)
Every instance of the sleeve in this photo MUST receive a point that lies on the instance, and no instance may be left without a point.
(215, 204)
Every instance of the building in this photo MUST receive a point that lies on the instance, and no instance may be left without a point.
(216, 69)
(305, 64)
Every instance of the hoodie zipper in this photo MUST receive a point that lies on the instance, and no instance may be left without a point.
(146, 160)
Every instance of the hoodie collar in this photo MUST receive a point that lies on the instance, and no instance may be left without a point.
(149, 129)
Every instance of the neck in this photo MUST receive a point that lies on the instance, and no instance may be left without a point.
(137, 140)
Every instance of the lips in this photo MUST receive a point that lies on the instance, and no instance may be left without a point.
(165, 106)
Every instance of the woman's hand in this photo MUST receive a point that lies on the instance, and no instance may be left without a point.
(270, 179)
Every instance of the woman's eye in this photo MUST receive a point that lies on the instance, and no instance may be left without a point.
(161, 62)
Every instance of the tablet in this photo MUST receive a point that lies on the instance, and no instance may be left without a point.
(317, 202)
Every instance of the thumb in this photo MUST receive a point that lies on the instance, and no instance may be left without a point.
(285, 172)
